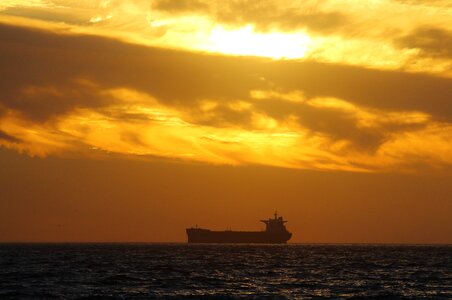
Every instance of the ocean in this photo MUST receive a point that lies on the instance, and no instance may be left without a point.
(174, 271)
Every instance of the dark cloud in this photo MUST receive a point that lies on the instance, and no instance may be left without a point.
(337, 124)
(133, 138)
(265, 15)
(387, 90)
(222, 115)
(9, 138)
(45, 75)
(41, 72)
(40, 103)
(432, 42)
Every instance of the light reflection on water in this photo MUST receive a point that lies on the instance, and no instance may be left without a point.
(121, 271)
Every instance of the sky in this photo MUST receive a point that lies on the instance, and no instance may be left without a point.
(133, 120)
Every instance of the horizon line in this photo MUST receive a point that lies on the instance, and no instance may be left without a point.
(228, 244)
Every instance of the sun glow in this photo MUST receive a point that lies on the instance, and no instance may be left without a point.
(245, 41)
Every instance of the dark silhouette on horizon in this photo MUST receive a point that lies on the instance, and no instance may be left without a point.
(275, 233)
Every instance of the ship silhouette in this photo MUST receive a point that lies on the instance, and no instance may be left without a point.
(275, 233)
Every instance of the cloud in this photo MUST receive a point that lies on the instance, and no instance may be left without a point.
(387, 90)
(264, 15)
(441, 3)
(40, 103)
(432, 42)
(8, 138)
(343, 32)
(52, 14)
(337, 124)
(106, 94)
(180, 6)
(41, 59)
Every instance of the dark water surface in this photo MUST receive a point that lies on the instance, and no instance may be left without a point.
(142, 271)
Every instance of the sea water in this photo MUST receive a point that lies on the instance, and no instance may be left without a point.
(147, 271)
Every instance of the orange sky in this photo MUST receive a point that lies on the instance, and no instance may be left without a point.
(131, 120)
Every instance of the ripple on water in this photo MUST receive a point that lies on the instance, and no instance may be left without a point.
(137, 271)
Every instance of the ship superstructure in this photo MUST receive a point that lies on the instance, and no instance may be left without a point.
(275, 233)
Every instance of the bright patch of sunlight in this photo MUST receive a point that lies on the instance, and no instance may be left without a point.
(245, 41)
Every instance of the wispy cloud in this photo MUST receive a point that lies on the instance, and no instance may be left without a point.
(349, 32)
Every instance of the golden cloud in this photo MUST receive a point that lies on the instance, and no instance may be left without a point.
(121, 77)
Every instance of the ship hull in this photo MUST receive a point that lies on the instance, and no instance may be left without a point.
(197, 235)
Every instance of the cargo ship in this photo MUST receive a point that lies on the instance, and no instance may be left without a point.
(275, 233)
